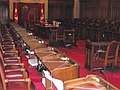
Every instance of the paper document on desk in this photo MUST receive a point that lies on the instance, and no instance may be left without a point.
(58, 83)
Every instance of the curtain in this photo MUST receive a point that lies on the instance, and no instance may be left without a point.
(28, 12)
(42, 16)
(4, 11)
(15, 12)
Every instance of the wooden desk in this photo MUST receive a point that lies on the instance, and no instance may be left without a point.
(63, 70)
(48, 56)
(31, 41)
(90, 82)
(43, 31)
(91, 48)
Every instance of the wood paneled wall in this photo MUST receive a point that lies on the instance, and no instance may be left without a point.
(60, 10)
(4, 10)
(97, 9)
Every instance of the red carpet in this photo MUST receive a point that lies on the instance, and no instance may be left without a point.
(33, 74)
(78, 55)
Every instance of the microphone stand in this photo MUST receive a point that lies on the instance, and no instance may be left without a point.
(106, 78)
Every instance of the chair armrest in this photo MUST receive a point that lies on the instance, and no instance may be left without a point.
(8, 47)
(6, 35)
(19, 80)
(12, 58)
(15, 60)
(10, 51)
(14, 64)
(23, 70)
(6, 43)
(7, 40)
(14, 76)
(11, 61)
(13, 70)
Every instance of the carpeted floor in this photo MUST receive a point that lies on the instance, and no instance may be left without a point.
(33, 74)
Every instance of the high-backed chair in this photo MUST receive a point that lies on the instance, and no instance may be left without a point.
(69, 37)
(14, 72)
(57, 36)
(5, 37)
(108, 57)
(15, 83)
(9, 53)
(60, 34)
(7, 46)
(14, 62)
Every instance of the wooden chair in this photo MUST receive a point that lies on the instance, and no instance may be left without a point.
(60, 34)
(9, 60)
(8, 49)
(15, 83)
(69, 37)
(7, 46)
(57, 36)
(14, 72)
(109, 57)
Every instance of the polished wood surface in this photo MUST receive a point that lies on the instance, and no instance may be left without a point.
(63, 70)
(92, 82)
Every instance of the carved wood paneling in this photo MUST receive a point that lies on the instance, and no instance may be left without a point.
(60, 10)
(107, 9)
(4, 5)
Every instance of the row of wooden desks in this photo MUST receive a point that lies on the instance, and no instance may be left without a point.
(60, 66)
